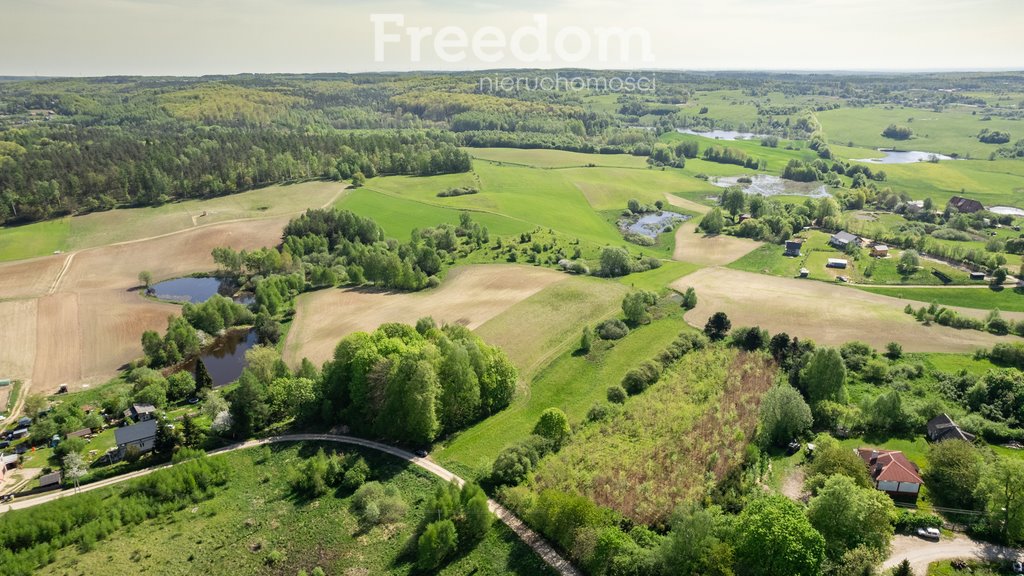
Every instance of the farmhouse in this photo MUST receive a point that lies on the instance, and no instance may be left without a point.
(892, 473)
(836, 263)
(793, 247)
(942, 427)
(140, 412)
(842, 240)
(142, 436)
(965, 205)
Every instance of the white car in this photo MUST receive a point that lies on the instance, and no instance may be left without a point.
(929, 533)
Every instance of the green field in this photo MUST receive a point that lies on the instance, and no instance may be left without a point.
(33, 240)
(256, 514)
(100, 228)
(556, 158)
(1007, 299)
(571, 382)
(954, 130)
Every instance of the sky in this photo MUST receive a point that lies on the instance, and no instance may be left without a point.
(201, 37)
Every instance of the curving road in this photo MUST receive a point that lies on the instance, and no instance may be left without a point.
(531, 538)
(921, 552)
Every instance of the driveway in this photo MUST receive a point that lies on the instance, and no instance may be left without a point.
(922, 552)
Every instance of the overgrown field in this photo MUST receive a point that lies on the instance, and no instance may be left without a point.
(669, 445)
(257, 525)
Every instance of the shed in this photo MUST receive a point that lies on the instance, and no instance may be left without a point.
(836, 263)
(942, 427)
(978, 276)
(84, 432)
(880, 251)
(19, 433)
(965, 205)
(793, 247)
(50, 481)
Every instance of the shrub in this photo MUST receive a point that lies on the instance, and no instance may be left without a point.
(437, 542)
(613, 329)
(616, 394)
(638, 379)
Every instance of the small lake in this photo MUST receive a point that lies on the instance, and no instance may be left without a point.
(226, 358)
(197, 290)
(722, 134)
(768, 185)
(1010, 210)
(654, 223)
(908, 157)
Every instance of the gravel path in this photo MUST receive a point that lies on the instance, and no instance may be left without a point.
(922, 552)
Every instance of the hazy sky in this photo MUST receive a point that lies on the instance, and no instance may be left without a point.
(194, 37)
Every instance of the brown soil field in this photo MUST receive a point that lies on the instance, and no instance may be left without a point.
(91, 323)
(58, 342)
(696, 248)
(17, 339)
(828, 314)
(29, 278)
(470, 295)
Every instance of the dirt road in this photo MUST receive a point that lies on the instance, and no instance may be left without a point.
(921, 552)
(531, 538)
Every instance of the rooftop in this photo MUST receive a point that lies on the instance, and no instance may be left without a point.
(889, 466)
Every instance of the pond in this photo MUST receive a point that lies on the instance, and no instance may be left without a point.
(1010, 210)
(908, 157)
(653, 223)
(722, 134)
(190, 289)
(768, 185)
(225, 359)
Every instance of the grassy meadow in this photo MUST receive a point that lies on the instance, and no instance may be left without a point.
(256, 525)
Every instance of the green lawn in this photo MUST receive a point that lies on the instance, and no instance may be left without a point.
(256, 514)
(1007, 299)
(573, 383)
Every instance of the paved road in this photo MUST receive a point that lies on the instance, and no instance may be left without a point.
(531, 538)
(921, 552)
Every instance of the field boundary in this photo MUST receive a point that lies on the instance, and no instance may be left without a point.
(528, 536)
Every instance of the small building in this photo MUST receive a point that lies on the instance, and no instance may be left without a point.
(880, 251)
(804, 272)
(744, 217)
(793, 247)
(140, 412)
(836, 263)
(892, 473)
(19, 433)
(942, 427)
(980, 276)
(54, 441)
(83, 433)
(142, 436)
(843, 240)
(50, 481)
(964, 205)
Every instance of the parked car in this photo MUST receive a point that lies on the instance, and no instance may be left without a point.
(420, 453)
(9, 497)
(793, 447)
(929, 533)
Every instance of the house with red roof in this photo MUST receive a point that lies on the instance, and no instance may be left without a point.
(892, 473)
